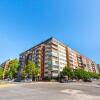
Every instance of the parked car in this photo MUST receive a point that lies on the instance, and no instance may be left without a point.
(64, 79)
(87, 80)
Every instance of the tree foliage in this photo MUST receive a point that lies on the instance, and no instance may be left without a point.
(67, 71)
(94, 75)
(11, 70)
(1, 73)
(79, 73)
(30, 70)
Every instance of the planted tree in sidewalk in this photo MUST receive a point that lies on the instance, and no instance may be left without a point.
(67, 71)
(85, 75)
(1, 73)
(81, 74)
(36, 72)
(23, 74)
(94, 75)
(13, 68)
(78, 73)
(30, 70)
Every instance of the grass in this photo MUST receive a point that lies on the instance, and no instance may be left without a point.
(4, 84)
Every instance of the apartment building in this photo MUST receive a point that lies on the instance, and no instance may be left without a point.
(52, 56)
(73, 61)
(98, 67)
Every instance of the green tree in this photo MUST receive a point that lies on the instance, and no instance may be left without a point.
(36, 72)
(67, 71)
(94, 75)
(85, 75)
(12, 69)
(1, 73)
(81, 74)
(30, 70)
(23, 74)
(78, 73)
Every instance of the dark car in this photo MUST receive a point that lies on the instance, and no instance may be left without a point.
(87, 80)
(64, 79)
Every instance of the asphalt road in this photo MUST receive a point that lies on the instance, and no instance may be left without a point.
(51, 91)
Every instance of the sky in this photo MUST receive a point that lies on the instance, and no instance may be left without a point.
(25, 23)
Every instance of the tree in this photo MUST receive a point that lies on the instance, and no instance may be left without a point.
(36, 72)
(94, 75)
(81, 74)
(78, 73)
(23, 74)
(85, 75)
(12, 69)
(30, 70)
(67, 71)
(1, 73)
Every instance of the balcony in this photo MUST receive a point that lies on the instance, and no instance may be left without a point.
(54, 54)
(54, 58)
(54, 43)
(54, 48)
(55, 64)
(47, 50)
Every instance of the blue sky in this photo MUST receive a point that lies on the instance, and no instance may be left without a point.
(24, 23)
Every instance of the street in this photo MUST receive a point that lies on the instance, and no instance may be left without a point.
(51, 91)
